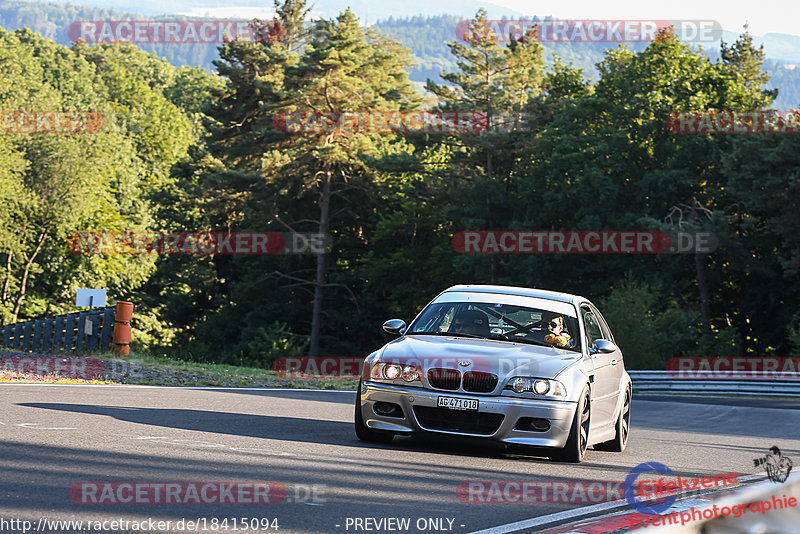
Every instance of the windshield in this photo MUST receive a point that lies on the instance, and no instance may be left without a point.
(545, 325)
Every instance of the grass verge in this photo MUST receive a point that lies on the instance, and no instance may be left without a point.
(150, 369)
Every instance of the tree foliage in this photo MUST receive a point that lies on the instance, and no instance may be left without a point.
(181, 150)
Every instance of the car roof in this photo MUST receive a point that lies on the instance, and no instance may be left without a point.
(519, 291)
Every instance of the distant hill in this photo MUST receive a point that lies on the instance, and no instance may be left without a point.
(368, 10)
(425, 35)
(427, 38)
(53, 20)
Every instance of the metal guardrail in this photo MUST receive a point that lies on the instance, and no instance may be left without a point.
(62, 333)
(663, 382)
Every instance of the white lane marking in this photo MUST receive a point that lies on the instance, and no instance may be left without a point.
(570, 514)
(193, 443)
(261, 451)
(36, 426)
(248, 450)
(208, 444)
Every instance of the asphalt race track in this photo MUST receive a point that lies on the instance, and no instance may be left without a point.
(56, 437)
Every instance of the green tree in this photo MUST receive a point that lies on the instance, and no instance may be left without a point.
(340, 70)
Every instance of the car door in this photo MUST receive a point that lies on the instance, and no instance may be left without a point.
(617, 363)
(605, 387)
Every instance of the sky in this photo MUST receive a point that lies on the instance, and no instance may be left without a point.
(764, 16)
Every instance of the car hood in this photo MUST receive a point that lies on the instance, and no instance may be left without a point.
(505, 359)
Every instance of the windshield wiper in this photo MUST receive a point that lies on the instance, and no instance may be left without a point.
(494, 337)
(504, 337)
(450, 334)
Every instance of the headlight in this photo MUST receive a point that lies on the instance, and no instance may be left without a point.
(394, 371)
(411, 373)
(538, 386)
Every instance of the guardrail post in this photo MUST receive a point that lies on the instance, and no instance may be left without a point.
(107, 334)
(58, 334)
(7, 330)
(17, 336)
(80, 340)
(69, 333)
(26, 337)
(47, 333)
(36, 344)
(94, 337)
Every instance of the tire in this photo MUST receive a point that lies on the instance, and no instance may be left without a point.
(362, 431)
(578, 440)
(623, 427)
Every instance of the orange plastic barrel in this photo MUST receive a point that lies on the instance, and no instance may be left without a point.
(122, 328)
(124, 312)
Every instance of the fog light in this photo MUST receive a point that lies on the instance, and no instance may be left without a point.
(540, 424)
(388, 409)
(533, 424)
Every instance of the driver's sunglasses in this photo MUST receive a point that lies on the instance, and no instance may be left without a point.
(553, 324)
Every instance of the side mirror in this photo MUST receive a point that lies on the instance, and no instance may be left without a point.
(602, 346)
(396, 327)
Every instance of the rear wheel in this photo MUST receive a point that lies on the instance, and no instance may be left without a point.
(623, 428)
(362, 431)
(578, 439)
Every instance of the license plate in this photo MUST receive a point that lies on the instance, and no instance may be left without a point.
(458, 404)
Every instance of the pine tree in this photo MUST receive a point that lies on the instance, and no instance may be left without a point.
(339, 70)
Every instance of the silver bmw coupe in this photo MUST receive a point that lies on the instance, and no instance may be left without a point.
(525, 367)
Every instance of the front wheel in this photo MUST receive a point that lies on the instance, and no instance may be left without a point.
(623, 428)
(362, 431)
(578, 439)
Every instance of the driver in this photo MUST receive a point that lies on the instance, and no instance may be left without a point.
(471, 322)
(554, 324)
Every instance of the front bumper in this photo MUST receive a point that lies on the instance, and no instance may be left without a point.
(497, 417)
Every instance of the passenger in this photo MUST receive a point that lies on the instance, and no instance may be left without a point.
(557, 330)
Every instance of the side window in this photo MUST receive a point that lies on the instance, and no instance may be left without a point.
(592, 325)
(603, 325)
